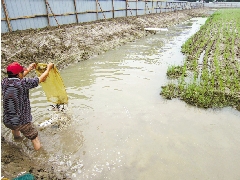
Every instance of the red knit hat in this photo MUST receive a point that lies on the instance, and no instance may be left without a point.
(15, 68)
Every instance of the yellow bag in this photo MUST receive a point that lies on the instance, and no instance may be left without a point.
(53, 86)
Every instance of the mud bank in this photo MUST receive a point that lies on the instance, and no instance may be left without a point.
(77, 42)
(67, 45)
(15, 163)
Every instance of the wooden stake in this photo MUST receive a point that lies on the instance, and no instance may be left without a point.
(126, 8)
(146, 6)
(156, 6)
(53, 15)
(137, 8)
(6, 15)
(159, 6)
(75, 8)
(112, 8)
(101, 10)
(46, 1)
(97, 9)
(152, 8)
(129, 8)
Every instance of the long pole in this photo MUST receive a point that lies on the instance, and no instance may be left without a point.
(53, 14)
(46, 2)
(113, 8)
(145, 7)
(136, 8)
(126, 8)
(101, 10)
(75, 8)
(97, 9)
(6, 15)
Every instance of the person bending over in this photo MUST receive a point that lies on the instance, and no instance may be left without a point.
(16, 104)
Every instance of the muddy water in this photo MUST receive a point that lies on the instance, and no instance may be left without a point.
(121, 128)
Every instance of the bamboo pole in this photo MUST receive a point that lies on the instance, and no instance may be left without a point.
(145, 7)
(152, 8)
(97, 9)
(75, 8)
(101, 10)
(6, 15)
(126, 8)
(113, 8)
(129, 8)
(46, 1)
(159, 6)
(156, 7)
(53, 15)
(136, 8)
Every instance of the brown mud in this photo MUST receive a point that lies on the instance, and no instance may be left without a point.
(67, 45)
(77, 42)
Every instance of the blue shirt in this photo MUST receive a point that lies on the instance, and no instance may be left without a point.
(16, 103)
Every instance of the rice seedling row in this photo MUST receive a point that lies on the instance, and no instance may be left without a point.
(210, 75)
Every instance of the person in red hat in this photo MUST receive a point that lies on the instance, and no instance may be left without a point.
(16, 104)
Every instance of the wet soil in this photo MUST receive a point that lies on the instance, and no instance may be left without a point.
(67, 45)
(15, 163)
(77, 42)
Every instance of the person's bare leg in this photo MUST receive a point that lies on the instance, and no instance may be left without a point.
(36, 143)
(16, 134)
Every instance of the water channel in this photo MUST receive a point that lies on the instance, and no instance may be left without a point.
(121, 128)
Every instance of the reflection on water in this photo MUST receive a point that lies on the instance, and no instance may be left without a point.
(121, 128)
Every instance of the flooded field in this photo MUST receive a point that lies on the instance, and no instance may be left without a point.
(119, 127)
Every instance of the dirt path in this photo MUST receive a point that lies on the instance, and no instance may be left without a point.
(70, 44)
